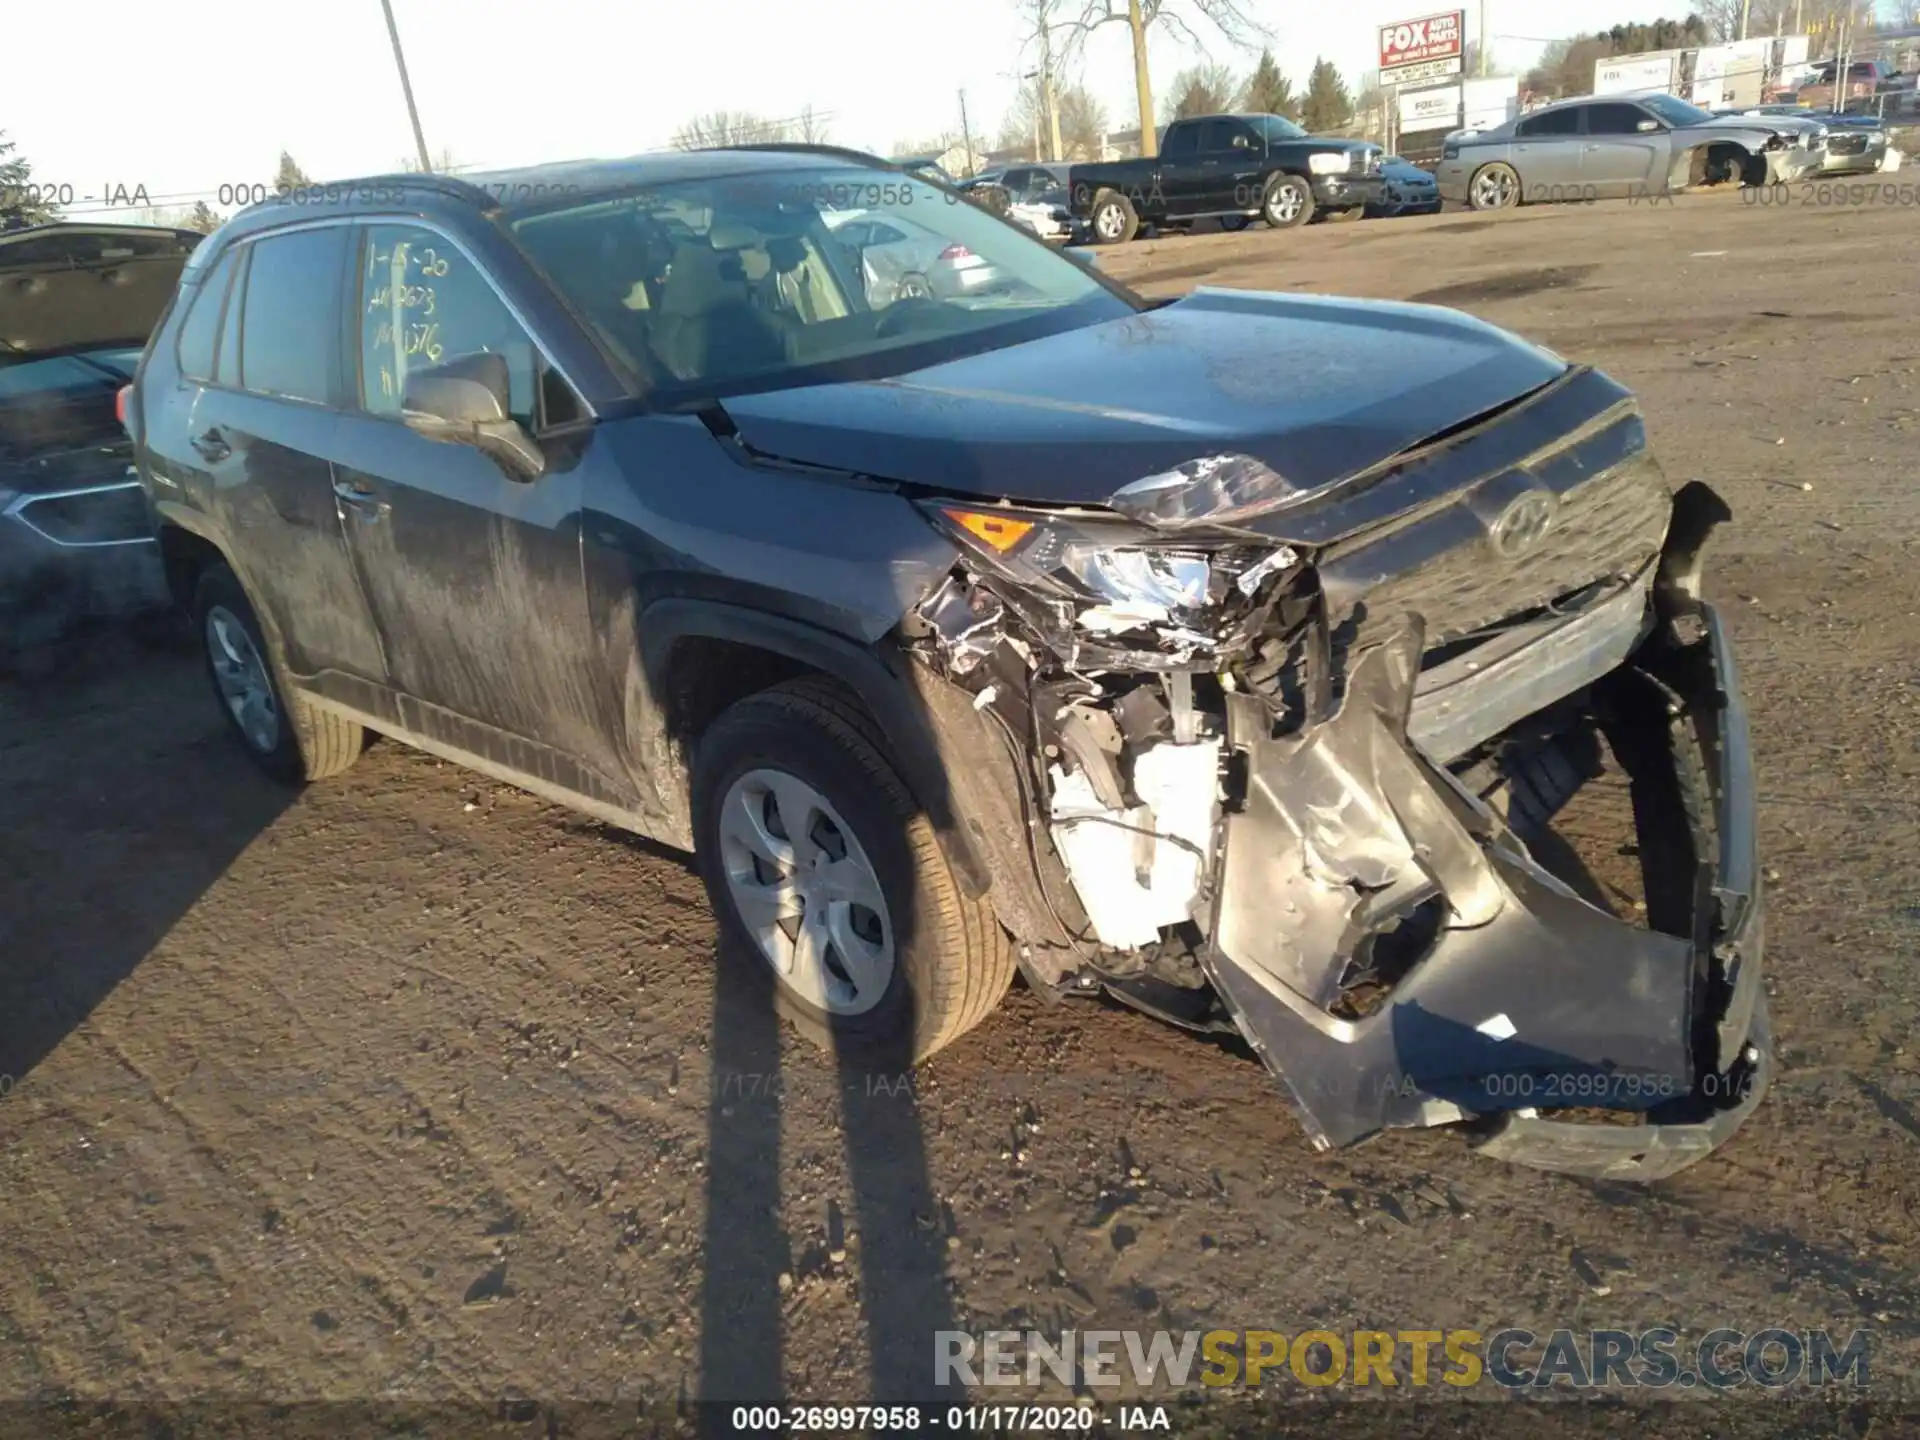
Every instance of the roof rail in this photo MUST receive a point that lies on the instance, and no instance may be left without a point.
(801, 147)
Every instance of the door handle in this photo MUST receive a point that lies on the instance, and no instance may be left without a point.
(212, 446)
(360, 496)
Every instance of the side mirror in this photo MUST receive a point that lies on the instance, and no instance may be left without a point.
(463, 401)
(1646, 127)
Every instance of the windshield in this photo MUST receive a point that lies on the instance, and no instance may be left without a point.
(750, 282)
(1675, 111)
(1278, 127)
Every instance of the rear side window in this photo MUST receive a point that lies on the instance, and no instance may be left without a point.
(1553, 122)
(423, 303)
(202, 325)
(290, 324)
(1181, 140)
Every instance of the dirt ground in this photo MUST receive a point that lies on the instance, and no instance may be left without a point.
(414, 1087)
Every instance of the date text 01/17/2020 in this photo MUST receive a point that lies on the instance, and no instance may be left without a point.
(950, 1419)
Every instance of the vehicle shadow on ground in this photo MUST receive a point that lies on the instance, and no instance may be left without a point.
(896, 1231)
(90, 884)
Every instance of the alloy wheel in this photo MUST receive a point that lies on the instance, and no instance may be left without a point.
(1493, 189)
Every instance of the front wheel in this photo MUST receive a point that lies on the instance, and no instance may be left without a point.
(1494, 187)
(1286, 202)
(827, 877)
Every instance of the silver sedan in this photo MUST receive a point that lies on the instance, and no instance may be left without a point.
(1617, 146)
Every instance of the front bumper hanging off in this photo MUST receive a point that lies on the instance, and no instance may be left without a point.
(1527, 999)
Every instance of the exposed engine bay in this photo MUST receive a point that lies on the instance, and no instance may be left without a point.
(1258, 744)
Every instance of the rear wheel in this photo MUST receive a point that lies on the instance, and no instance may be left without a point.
(1494, 187)
(913, 287)
(826, 874)
(1286, 202)
(1113, 219)
(292, 740)
(1233, 223)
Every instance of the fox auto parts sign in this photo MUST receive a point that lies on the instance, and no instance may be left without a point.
(1423, 49)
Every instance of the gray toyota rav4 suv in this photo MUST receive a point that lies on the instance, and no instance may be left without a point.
(1240, 657)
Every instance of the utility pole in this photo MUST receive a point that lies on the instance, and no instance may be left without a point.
(1149, 140)
(1046, 90)
(1745, 6)
(1480, 55)
(406, 86)
(966, 135)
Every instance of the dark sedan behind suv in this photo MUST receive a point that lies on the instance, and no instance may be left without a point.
(1225, 655)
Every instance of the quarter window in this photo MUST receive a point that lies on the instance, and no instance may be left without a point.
(227, 364)
(423, 303)
(289, 321)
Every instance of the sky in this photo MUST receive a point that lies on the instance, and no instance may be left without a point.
(169, 103)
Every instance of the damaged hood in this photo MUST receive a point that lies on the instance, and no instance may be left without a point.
(1315, 388)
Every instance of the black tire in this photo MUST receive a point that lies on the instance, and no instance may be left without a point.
(1286, 202)
(953, 961)
(310, 743)
(913, 286)
(1233, 224)
(1112, 219)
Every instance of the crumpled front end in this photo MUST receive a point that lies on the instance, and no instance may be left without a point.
(1296, 757)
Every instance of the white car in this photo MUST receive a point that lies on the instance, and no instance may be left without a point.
(901, 261)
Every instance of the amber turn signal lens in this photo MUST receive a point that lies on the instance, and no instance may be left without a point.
(1000, 533)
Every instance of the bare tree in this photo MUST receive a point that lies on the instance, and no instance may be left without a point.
(443, 163)
(1230, 18)
(1083, 122)
(1781, 17)
(1204, 89)
(811, 127)
(731, 127)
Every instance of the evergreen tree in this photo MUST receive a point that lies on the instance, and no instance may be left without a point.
(1328, 106)
(20, 203)
(1268, 92)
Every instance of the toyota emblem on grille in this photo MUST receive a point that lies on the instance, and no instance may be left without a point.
(1522, 524)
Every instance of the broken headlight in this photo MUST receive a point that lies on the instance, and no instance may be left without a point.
(1118, 576)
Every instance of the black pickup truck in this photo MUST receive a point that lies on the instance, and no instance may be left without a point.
(1231, 168)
